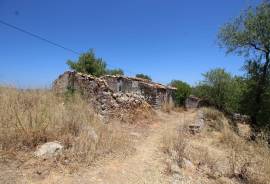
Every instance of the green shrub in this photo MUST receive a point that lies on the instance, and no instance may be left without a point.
(183, 90)
(143, 76)
(88, 63)
(221, 89)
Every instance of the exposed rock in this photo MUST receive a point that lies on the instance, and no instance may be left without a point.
(174, 168)
(199, 123)
(187, 164)
(241, 118)
(49, 149)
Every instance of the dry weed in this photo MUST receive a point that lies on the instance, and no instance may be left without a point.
(31, 117)
(211, 113)
(142, 114)
(248, 161)
(215, 119)
(174, 145)
(167, 107)
(245, 161)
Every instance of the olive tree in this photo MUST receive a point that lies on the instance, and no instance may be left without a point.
(249, 35)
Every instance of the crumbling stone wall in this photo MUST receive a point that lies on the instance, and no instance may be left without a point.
(114, 94)
(155, 94)
(192, 102)
(104, 100)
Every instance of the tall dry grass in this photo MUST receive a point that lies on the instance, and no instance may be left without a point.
(249, 161)
(215, 119)
(29, 118)
(167, 107)
(174, 145)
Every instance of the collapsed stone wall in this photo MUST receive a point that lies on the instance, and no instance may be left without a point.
(192, 102)
(96, 90)
(155, 94)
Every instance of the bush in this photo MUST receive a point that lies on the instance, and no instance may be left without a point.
(221, 89)
(115, 72)
(183, 90)
(88, 63)
(143, 76)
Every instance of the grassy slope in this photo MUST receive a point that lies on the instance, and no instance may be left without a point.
(218, 154)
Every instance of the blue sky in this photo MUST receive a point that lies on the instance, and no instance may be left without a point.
(173, 39)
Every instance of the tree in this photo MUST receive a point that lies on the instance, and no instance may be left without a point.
(249, 35)
(183, 90)
(143, 76)
(90, 64)
(249, 103)
(220, 89)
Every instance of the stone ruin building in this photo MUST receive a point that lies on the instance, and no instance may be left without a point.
(154, 93)
(111, 94)
(192, 102)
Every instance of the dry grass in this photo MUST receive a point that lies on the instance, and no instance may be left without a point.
(214, 117)
(29, 118)
(167, 107)
(219, 154)
(174, 145)
(142, 114)
(211, 113)
(249, 162)
(179, 109)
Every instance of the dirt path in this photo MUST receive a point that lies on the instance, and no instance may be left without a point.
(146, 165)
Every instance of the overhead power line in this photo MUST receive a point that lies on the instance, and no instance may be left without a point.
(47, 40)
(38, 37)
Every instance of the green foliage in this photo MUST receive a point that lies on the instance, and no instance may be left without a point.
(115, 72)
(249, 35)
(220, 89)
(182, 92)
(249, 102)
(143, 76)
(90, 64)
(249, 32)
